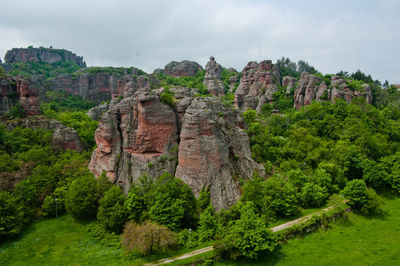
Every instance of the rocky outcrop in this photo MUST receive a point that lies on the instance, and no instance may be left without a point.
(258, 84)
(214, 152)
(140, 135)
(136, 136)
(289, 83)
(311, 88)
(306, 90)
(63, 137)
(51, 56)
(212, 78)
(183, 68)
(96, 112)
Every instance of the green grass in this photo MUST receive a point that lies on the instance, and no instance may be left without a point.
(302, 212)
(60, 241)
(360, 240)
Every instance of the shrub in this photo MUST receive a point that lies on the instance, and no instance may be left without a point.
(17, 111)
(313, 195)
(167, 98)
(356, 192)
(249, 237)
(50, 206)
(112, 212)
(148, 238)
(81, 201)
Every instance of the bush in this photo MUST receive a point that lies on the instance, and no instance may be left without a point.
(17, 111)
(356, 192)
(167, 98)
(207, 225)
(50, 207)
(112, 212)
(147, 239)
(81, 201)
(249, 237)
(313, 195)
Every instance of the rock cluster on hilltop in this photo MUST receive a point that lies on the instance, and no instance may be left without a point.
(258, 83)
(142, 135)
(212, 78)
(311, 88)
(183, 68)
(47, 55)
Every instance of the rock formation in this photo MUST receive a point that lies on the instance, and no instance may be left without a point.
(311, 88)
(212, 78)
(258, 84)
(289, 83)
(183, 68)
(63, 137)
(96, 112)
(51, 56)
(140, 135)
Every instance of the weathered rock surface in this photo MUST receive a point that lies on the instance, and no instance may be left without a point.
(140, 135)
(311, 88)
(63, 137)
(258, 83)
(212, 78)
(24, 55)
(183, 68)
(306, 90)
(136, 136)
(96, 112)
(214, 151)
(289, 83)
(102, 87)
(20, 90)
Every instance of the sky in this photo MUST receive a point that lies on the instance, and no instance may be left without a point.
(330, 35)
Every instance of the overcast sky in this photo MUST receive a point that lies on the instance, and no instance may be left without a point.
(330, 35)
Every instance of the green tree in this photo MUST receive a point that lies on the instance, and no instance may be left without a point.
(313, 195)
(112, 213)
(249, 237)
(207, 225)
(11, 216)
(82, 198)
(356, 192)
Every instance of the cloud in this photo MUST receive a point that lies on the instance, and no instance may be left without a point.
(332, 35)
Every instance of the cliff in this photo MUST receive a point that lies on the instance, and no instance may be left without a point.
(46, 55)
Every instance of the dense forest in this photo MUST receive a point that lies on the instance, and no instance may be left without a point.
(322, 155)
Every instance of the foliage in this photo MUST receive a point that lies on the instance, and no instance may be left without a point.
(11, 217)
(249, 237)
(103, 236)
(289, 68)
(55, 203)
(16, 111)
(313, 195)
(109, 70)
(41, 68)
(204, 200)
(81, 201)
(61, 101)
(148, 238)
(168, 98)
(207, 225)
(195, 82)
(356, 192)
(112, 213)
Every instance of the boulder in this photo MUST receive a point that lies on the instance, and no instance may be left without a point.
(183, 68)
(96, 112)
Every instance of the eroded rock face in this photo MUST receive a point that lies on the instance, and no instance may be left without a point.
(28, 90)
(140, 135)
(183, 68)
(63, 137)
(258, 84)
(306, 90)
(136, 136)
(212, 78)
(289, 83)
(24, 55)
(96, 112)
(213, 151)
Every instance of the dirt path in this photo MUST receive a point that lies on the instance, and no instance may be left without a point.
(210, 248)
